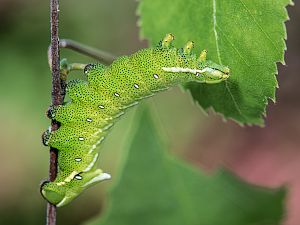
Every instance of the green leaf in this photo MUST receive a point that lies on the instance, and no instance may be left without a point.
(155, 189)
(246, 35)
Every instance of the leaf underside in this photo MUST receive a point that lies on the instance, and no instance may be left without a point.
(246, 35)
(155, 189)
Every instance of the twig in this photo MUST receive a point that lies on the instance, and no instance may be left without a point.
(102, 56)
(59, 84)
(57, 97)
(99, 55)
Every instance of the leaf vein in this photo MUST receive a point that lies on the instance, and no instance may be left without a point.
(219, 56)
(234, 48)
(258, 25)
(233, 100)
(215, 29)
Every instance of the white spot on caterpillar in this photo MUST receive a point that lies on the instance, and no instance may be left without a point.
(184, 70)
(90, 166)
(101, 106)
(89, 120)
(117, 94)
(136, 86)
(198, 74)
(156, 76)
(81, 138)
(103, 176)
(78, 177)
(78, 159)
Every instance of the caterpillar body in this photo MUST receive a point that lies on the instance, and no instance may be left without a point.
(108, 92)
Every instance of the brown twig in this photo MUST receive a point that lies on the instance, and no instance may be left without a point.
(102, 56)
(57, 97)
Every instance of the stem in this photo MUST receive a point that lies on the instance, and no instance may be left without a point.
(99, 55)
(59, 84)
(57, 97)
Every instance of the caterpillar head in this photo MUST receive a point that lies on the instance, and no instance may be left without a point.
(205, 71)
(61, 193)
(212, 73)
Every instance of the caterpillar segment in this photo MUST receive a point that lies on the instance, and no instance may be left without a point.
(95, 105)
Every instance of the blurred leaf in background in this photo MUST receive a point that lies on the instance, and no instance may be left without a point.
(154, 188)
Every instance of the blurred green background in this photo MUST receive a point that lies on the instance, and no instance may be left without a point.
(269, 156)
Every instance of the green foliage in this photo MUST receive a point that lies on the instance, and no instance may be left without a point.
(246, 35)
(154, 188)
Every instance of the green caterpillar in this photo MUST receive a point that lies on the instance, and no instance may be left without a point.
(96, 103)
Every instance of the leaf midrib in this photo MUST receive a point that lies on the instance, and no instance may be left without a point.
(219, 56)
